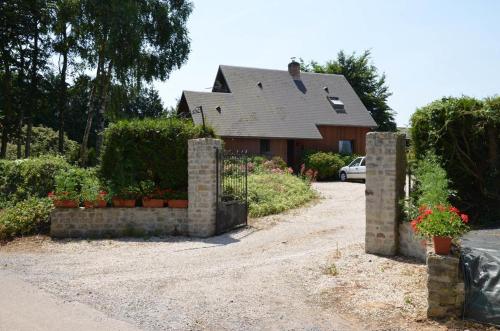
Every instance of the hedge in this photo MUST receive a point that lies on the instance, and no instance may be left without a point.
(149, 149)
(327, 164)
(465, 134)
(26, 178)
(25, 218)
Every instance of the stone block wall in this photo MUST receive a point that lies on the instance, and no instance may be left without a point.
(411, 245)
(117, 222)
(385, 177)
(198, 220)
(445, 287)
(202, 188)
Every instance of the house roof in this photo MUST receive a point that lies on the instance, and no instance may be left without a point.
(278, 107)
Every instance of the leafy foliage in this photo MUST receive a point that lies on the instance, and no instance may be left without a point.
(366, 82)
(24, 218)
(23, 179)
(69, 183)
(270, 193)
(44, 141)
(441, 221)
(464, 133)
(327, 164)
(154, 150)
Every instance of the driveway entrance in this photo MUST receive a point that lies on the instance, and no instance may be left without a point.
(268, 276)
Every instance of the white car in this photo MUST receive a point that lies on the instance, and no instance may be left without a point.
(355, 170)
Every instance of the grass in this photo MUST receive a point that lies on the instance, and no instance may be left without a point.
(331, 270)
(270, 193)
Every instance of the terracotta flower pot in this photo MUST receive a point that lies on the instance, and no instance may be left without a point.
(65, 204)
(442, 245)
(95, 204)
(173, 203)
(123, 203)
(152, 203)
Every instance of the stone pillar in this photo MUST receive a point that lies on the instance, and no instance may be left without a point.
(202, 186)
(385, 177)
(445, 287)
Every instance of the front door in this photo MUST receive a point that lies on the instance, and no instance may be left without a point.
(290, 153)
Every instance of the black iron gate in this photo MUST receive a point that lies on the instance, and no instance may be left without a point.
(232, 191)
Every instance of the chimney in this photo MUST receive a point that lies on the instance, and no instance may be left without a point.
(294, 69)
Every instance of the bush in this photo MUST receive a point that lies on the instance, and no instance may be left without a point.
(326, 164)
(149, 149)
(70, 184)
(44, 141)
(25, 218)
(22, 179)
(273, 193)
(464, 133)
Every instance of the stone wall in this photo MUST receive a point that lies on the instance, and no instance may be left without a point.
(385, 176)
(411, 245)
(445, 287)
(117, 222)
(198, 220)
(202, 189)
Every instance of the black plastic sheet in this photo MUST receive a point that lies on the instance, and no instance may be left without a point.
(480, 261)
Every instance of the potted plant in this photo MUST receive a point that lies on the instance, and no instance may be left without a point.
(442, 224)
(125, 197)
(68, 188)
(92, 195)
(178, 200)
(152, 197)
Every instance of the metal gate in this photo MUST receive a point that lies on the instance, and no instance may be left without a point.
(232, 191)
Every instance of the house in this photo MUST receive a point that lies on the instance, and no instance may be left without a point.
(281, 112)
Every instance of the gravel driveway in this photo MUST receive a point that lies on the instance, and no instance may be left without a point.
(268, 276)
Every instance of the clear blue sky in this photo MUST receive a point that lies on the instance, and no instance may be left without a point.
(427, 48)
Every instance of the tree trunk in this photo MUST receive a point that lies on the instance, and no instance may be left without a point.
(90, 115)
(102, 110)
(34, 93)
(62, 101)
(7, 105)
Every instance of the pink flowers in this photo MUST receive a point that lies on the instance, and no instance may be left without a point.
(465, 218)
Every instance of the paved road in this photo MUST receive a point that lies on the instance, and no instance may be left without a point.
(267, 277)
(25, 307)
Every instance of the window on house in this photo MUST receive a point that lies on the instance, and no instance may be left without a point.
(345, 146)
(265, 146)
(337, 104)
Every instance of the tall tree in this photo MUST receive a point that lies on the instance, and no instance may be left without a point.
(364, 78)
(64, 26)
(130, 41)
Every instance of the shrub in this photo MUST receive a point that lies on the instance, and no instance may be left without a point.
(273, 193)
(22, 179)
(69, 184)
(149, 149)
(44, 141)
(464, 133)
(24, 218)
(326, 164)
(91, 187)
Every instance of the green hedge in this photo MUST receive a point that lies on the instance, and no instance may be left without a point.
(465, 134)
(149, 149)
(327, 164)
(25, 218)
(22, 179)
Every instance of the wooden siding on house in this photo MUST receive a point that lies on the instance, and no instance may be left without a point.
(330, 142)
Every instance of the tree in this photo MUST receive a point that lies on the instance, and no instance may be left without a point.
(64, 26)
(366, 82)
(129, 42)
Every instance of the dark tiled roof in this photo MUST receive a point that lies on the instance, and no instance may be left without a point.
(281, 108)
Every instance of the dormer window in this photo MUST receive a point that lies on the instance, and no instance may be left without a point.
(337, 105)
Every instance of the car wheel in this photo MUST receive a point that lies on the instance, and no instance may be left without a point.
(343, 176)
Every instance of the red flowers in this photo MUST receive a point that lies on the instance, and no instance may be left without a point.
(441, 221)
